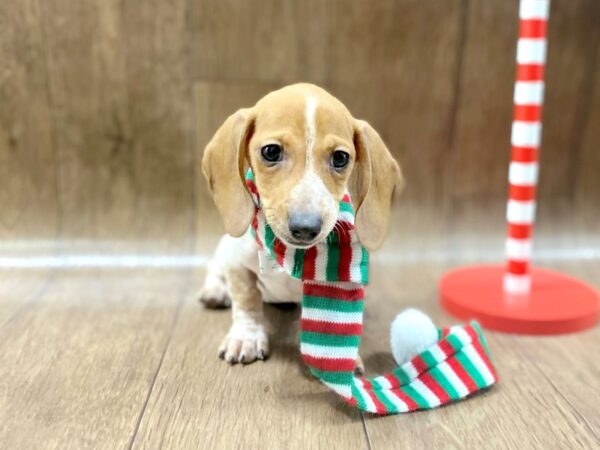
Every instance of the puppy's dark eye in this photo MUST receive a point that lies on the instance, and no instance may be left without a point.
(272, 153)
(339, 159)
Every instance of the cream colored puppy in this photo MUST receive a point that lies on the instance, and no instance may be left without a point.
(305, 150)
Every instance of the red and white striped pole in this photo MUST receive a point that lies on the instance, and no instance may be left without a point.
(525, 139)
(516, 297)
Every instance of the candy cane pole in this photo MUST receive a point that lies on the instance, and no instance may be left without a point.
(525, 140)
(516, 297)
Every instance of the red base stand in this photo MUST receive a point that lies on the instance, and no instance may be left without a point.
(557, 303)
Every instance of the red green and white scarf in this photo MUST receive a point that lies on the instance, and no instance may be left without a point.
(334, 273)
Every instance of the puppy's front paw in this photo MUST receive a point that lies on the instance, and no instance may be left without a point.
(214, 294)
(244, 344)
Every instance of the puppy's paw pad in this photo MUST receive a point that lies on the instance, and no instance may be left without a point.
(244, 344)
(214, 295)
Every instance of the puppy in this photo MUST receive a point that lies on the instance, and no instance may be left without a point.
(305, 150)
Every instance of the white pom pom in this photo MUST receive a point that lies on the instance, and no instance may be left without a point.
(412, 332)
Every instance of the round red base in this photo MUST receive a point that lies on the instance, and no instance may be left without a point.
(557, 303)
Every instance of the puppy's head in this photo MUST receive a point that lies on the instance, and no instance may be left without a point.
(305, 150)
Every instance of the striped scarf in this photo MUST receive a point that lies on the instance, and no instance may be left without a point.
(334, 273)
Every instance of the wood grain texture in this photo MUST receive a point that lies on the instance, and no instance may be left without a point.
(481, 137)
(573, 39)
(585, 175)
(269, 41)
(77, 365)
(28, 158)
(399, 73)
(17, 292)
(122, 108)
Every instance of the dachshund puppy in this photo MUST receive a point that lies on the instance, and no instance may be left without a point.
(305, 150)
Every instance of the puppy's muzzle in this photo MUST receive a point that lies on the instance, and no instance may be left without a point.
(305, 227)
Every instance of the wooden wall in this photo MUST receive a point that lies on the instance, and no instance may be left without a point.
(105, 105)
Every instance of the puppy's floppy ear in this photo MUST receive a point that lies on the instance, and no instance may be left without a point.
(223, 167)
(375, 177)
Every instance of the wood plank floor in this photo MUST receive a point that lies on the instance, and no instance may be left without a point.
(106, 358)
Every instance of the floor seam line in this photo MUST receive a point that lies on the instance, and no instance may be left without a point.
(156, 372)
(578, 413)
(364, 426)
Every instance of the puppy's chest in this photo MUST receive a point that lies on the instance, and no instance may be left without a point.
(279, 287)
(275, 284)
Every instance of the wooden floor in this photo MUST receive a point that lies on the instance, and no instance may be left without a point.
(126, 358)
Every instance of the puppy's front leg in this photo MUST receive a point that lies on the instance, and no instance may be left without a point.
(247, 338)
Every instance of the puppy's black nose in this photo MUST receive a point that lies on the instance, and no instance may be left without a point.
(305, 227)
